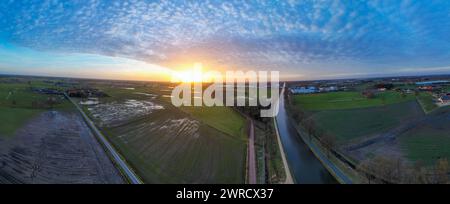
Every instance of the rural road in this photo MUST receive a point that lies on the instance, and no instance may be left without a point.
(251, 154)
(129, 173)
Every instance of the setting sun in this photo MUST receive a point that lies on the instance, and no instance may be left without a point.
(190, 75)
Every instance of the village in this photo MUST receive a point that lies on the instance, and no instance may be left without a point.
(439, 89)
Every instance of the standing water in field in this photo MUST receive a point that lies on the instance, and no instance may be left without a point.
(114, 113)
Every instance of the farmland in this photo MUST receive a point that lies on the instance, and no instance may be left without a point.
(169, 144)
(348, 100)
(16, 105)
(391, 124)
(164, 144)
(44, 140)
(222, 118)
(354, 123)
(430, 140)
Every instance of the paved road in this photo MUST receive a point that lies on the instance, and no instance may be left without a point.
(129, 173)
(251, 154)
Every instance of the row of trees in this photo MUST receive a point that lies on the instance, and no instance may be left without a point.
(395, 170)
(49, 103)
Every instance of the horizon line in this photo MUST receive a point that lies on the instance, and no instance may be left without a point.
(168, 81)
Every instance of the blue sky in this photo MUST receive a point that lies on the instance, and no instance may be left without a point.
(302, 39)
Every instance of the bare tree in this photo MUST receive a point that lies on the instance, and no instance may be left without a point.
(419, 173)
(329, 142)
(442, 169)
(403, 94)
(366, 168)
(51, 101)
(310, 128)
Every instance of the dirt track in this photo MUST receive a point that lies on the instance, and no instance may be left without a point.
(55, 147)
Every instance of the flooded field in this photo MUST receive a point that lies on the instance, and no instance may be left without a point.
(55, 147)
(115, 113)
(166, 144)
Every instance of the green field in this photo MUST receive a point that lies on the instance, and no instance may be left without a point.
(353, 123)
(16, 108)
(426, 101)
(18, 96)
(347, 100)
(351, 117)
(429, 140)
(427, 146)
(447, 89)
(222, 118)
(13, 118)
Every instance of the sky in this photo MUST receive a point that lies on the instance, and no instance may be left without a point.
(145, 40)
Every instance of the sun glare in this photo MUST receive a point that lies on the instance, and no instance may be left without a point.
(192, 75)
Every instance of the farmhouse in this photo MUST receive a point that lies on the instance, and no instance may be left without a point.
(328, 89)
(445, 98)
(426, 88)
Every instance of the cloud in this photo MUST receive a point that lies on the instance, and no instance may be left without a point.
(286, 35)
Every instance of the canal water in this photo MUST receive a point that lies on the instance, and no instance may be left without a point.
(304, 166)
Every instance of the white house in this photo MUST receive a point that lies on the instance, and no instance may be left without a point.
(304, 90)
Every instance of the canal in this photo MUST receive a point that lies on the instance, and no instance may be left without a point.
(304, 166)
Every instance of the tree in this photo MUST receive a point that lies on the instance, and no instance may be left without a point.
(442, 169)
(329, 142)
(310, 127)
(419, 173)
(366, 168)
(51, 101)
(34, 104)
(369, 94)
(388, 168)
(403, 94)
(14, 102)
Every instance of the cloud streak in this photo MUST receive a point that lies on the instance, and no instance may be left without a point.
(292, 36)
